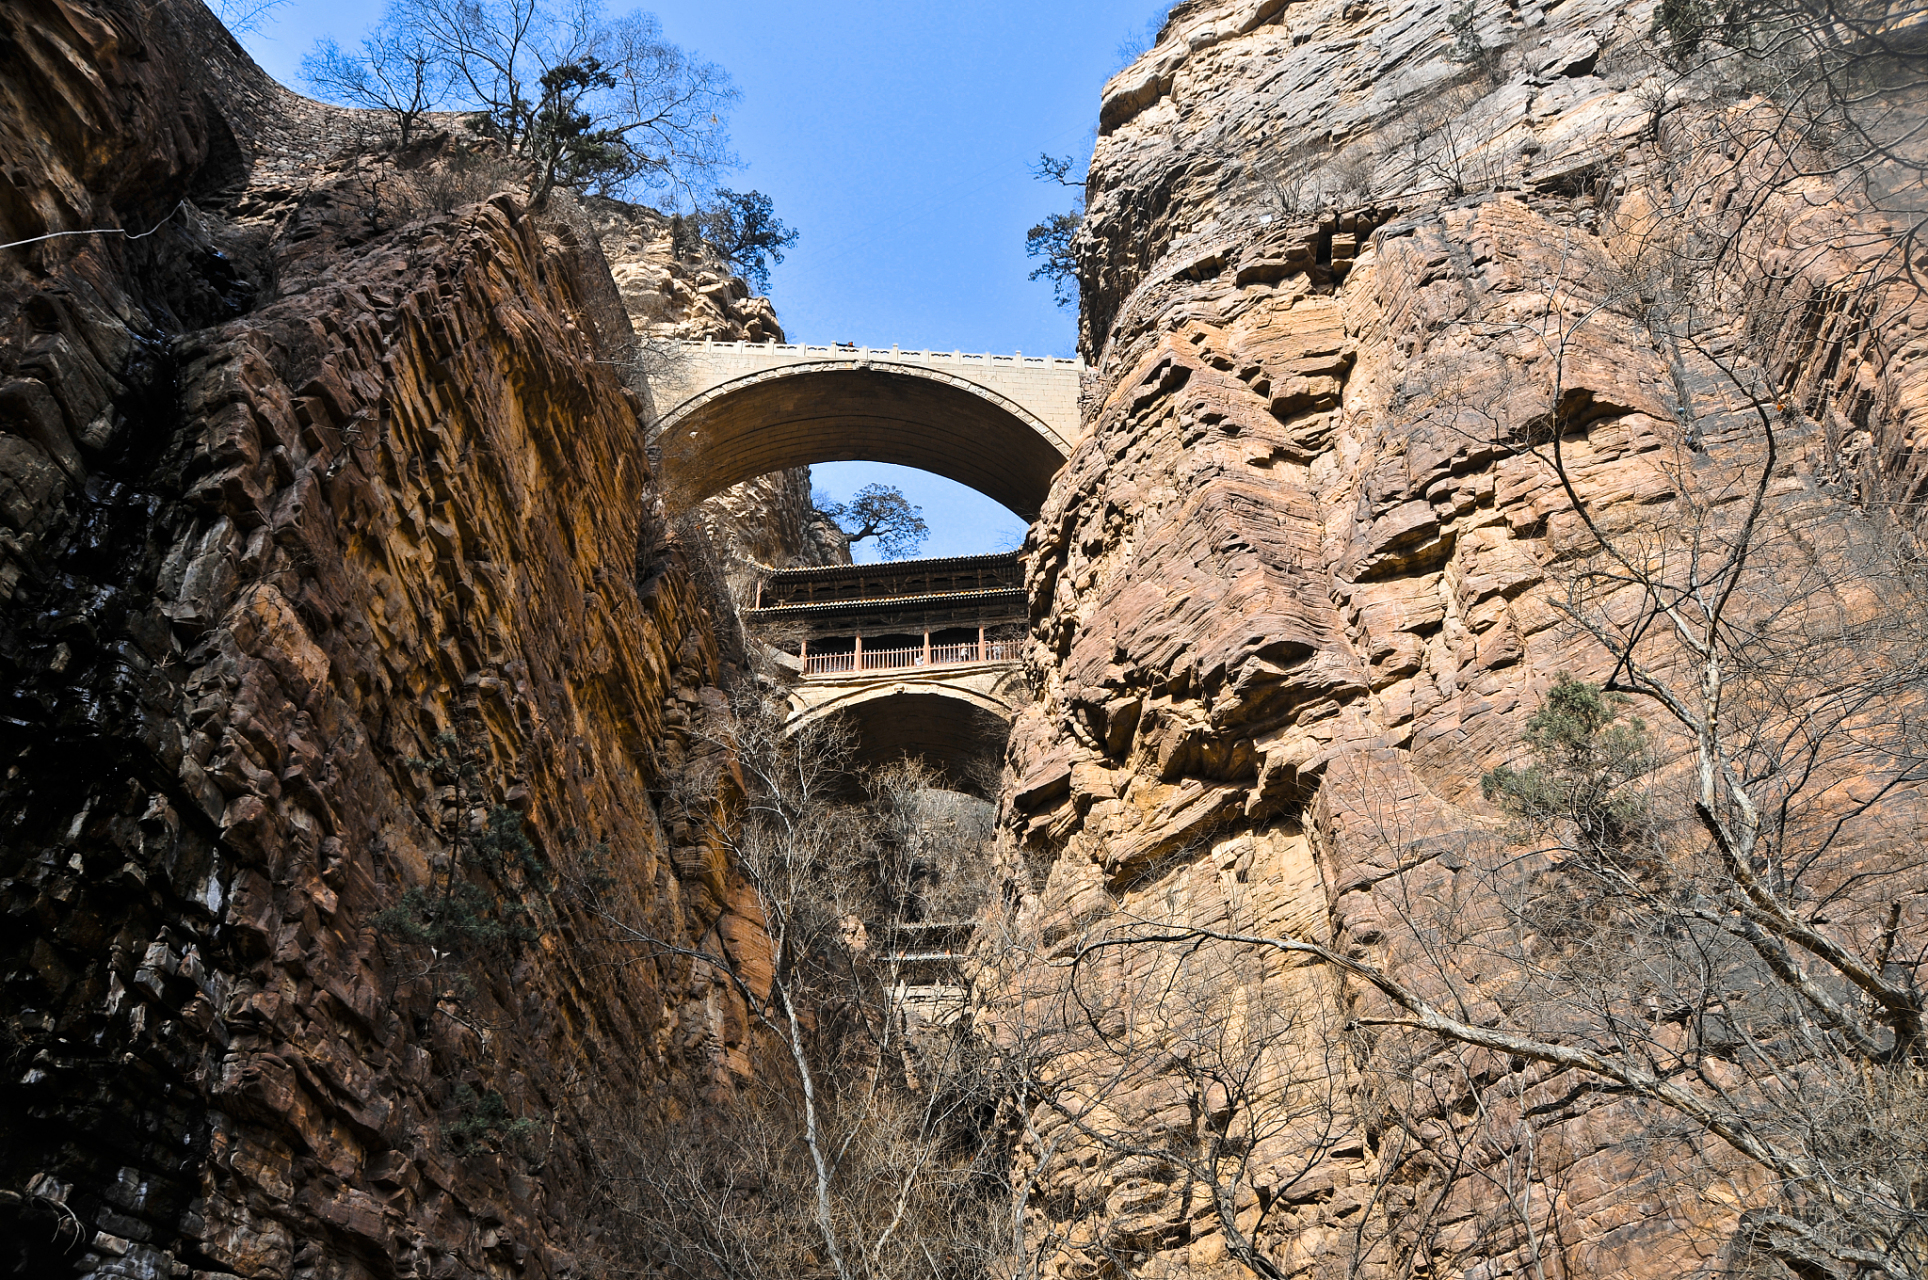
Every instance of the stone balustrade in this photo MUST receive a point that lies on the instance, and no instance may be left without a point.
(925, 655)
(892, 354)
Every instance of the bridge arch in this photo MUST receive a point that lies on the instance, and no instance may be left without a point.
(958, 731)
(737, 413)
(984, 689)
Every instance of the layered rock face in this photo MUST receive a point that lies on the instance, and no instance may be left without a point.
(1297, 591)
(331, 571)
(672, 296)
(759, 525)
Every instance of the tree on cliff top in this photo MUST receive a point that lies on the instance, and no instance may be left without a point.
(1053, 238)
(396, 72)
(878, 511)
(244, 17)
(745, 230)
(586, 101)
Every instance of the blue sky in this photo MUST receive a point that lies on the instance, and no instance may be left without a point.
(897, 138)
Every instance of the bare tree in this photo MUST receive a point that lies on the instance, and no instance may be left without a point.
(245, 17)
(583, 100)
(1182, 1102)
(858, 1146)
(1224, 1098)
(396, 72)
(1451, 147)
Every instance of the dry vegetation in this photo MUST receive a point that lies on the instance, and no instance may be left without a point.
(860, 1142)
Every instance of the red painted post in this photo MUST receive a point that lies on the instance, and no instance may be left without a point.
(859, 664)
(927, 646)
(980, 646)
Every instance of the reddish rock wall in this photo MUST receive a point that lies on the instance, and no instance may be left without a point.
(287, 490)
(1295, 592)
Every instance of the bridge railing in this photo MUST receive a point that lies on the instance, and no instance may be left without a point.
(937, 655)
(925, 356)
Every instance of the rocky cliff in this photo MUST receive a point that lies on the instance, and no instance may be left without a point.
(1305, 579)
(332, 586)
(350, 665)
(762, 524)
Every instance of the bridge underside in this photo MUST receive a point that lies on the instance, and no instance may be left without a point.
(769, 423)
(959, 739)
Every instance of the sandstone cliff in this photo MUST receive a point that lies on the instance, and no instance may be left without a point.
(332, 571)
(1300, 587)
(762, 524)
(326, 533)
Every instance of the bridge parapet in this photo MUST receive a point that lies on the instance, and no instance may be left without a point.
(910, 656)
(781, 352)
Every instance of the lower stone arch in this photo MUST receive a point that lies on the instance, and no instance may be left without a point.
(798, 415)
(960, 733)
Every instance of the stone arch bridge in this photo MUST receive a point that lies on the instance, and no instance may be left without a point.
(920, 657)
(727, 412)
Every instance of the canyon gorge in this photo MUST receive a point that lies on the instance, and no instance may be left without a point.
(1460, 817)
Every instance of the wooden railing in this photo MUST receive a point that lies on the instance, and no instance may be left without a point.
(936, 655)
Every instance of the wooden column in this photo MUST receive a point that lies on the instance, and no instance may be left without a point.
(927, 646)
(981, 657)
(858, 664)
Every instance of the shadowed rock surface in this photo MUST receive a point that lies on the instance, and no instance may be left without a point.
(291, 488)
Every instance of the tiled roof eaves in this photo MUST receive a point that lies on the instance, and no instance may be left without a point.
(875, 603)
(893, 568)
